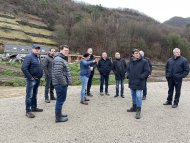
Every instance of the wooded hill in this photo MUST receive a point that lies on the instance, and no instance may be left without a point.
(81, 26)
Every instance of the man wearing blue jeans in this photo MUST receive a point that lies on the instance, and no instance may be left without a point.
(137, 70)
(61, 78)
(33, 71)
(119, 68)
(84, 76)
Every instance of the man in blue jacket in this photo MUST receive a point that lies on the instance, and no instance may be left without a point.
(33, 71)
(104, 68)
(137, 70)
(177, 68)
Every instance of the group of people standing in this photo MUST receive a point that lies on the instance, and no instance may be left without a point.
(58, 77)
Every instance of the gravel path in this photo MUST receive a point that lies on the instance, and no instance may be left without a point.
(104, 120)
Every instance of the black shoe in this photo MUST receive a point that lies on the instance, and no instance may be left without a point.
(144, 98)
(30, 115)
(107, 94)
(64, 115)
(47, 100)
(89, 94)
(174, 106)
(116, 95)
(122, 96)
(133, 108)
(37, 110)
(138, 113)
(52, 97)
(59, 118)
(167, 103)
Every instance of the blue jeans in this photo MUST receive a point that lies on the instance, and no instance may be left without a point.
(31, 94)
(136, 97)
(48, 87)
(117, 86)
(104, 78)
(61, 91)
(84, 81)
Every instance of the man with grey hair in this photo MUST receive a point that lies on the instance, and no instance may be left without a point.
(150, 65)
(177, 68)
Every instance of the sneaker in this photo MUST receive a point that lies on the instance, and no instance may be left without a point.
(167, 103)
(47, 101)
(107, 94)
(89, 94)
(116, 95)
(101, 93)
(144, 98)
(37, 110)
(84, 102)
(30, 115)
(86, 99)
(122, 96)
(174, 106)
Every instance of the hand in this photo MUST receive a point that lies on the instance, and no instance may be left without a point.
(91, 68)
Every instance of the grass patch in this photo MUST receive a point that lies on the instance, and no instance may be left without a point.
(8, 20)
(13, 34)
(42, 40)
(10, 26)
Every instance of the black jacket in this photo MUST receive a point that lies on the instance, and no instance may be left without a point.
(149, 63)
(119, 68)
(177, 68)
(47, 64)
(104, 66)
(92, 58)
(138, 71)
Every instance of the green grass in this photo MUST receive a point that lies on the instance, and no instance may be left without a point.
(13, 34)
(10, 26)
(8, 20)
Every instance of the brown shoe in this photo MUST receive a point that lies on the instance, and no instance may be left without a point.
(30, 115)
(84, 102)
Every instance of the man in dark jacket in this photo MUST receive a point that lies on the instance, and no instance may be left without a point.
(92, 69)
(33, 71)
(47, 63)
(104, 68)
(177, 68)
(61, 78)
(119, 68)
(150, 65)
(137, 70)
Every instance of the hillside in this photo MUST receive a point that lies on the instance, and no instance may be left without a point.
(24, 29)
(178, 21)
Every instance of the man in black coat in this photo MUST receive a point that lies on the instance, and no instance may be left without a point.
(92, 69)
(150, 65)
(177, 68)
(119, 68)
(137, 70)
(104, 68)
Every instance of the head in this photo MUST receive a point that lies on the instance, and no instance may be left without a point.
(36, 49)
(136, 54)
(86, 56)
(117, 55)
(177, 52)
(90, 51)
(64, 49)
(141, 53)
(52, 51)
(104, 55)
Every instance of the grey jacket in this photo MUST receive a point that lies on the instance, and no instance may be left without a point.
(47, 65)
(60, 71)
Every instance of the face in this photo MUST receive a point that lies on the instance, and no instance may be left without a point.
(136, 55)
(117, 55)
(104, 55)
(36, 51)
(87, 58)
(90, 51)
(65, 51)
(177, 53)
(52, 52)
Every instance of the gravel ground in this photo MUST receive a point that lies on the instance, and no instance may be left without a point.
(104, 120)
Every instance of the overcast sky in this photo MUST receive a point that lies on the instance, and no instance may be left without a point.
(160, 10)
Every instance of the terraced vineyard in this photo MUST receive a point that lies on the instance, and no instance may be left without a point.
(24, 29)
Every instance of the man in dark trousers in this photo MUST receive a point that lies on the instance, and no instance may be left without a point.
(33, 71)
(119, 68)
(47, 64)
(61, 78)
(137, 70)
(104, 68)
(177, 68)
(150, 65)
(92, 69)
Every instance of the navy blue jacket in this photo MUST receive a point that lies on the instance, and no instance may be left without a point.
(177, 68)
(138, 71)
(104, 66)
(85, 67)
(32, 67)
(119, 68)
